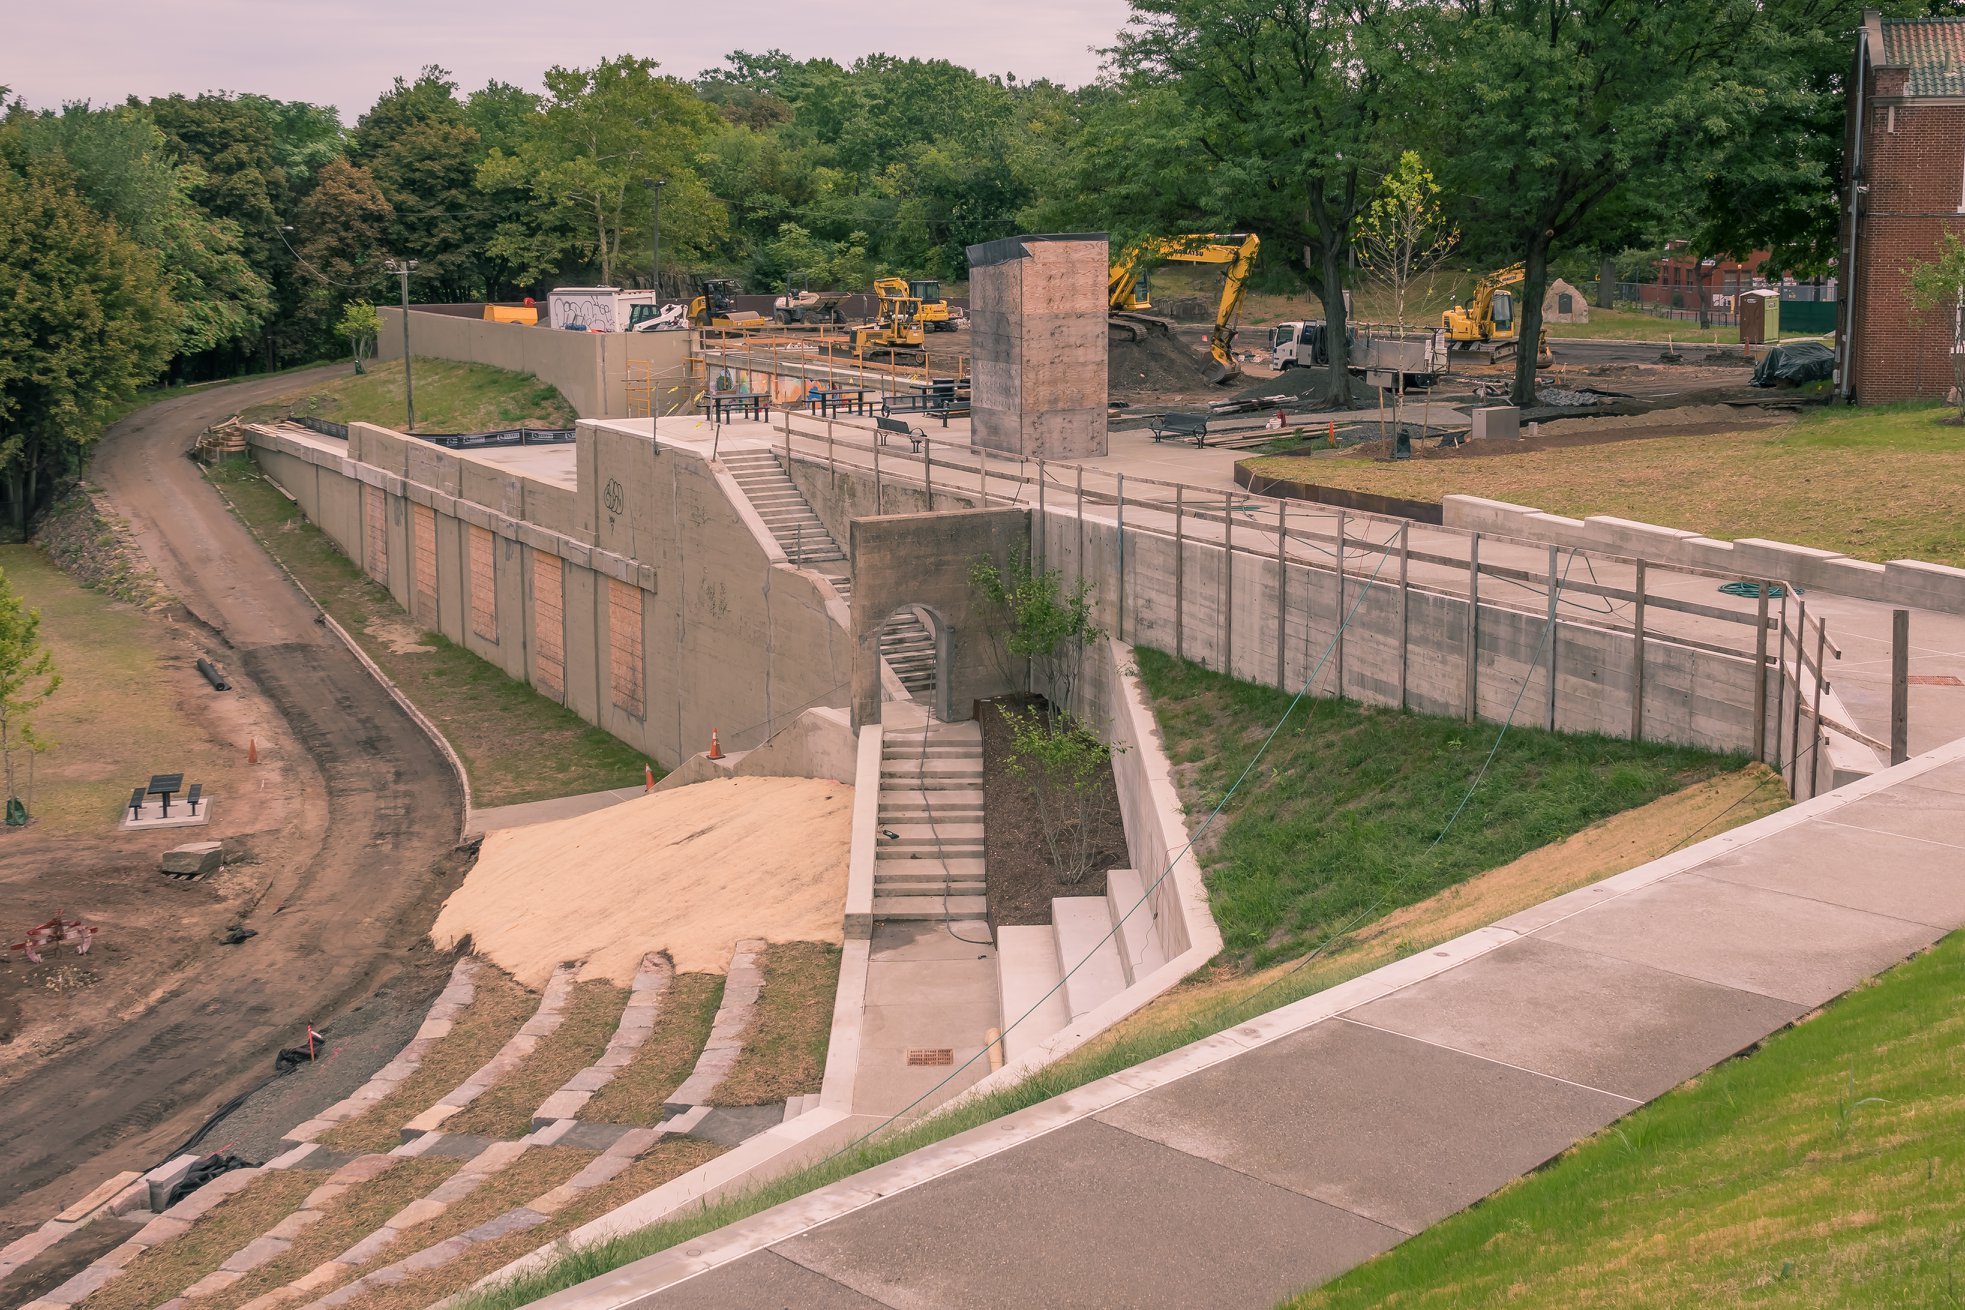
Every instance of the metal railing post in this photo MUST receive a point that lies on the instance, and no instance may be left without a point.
(1282, 588)
(1899, 686)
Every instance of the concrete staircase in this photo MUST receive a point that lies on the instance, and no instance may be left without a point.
(928, 863)
(785, 511)
(905, 643)
(1051, 977)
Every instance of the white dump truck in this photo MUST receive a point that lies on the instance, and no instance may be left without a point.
(610, 309)
(1381, 354)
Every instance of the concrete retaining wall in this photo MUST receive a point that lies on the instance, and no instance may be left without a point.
(1400, 650)
(589, 368)
(1899, 582)
(732, 638)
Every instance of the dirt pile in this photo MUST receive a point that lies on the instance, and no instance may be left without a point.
(1156, 364)
(689, 871)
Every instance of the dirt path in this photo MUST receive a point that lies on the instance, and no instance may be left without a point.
(369, 845)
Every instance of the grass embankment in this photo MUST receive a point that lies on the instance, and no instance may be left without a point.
(1823, 1169)
(637, 1094)
(1877, 483)
(592, 1014)
(516, 744)
(163, 1271)
(497, 1010)
(785, 1048)
(118, 716)
(1230, 994)
(1344, 820)
(450, 397)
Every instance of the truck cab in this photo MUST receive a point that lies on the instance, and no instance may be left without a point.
(1301, 344)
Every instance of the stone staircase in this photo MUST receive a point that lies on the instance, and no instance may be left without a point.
(1052, 976)
(905, 643)
(928, 862)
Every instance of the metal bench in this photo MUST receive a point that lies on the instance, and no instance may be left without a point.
(893, 427)
(1180, 427)
(136, 802)
(192, 797)
(939, 402)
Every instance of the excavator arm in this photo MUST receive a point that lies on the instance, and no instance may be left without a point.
(1236, 250)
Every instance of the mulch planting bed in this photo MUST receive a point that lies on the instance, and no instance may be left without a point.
(1022, 879)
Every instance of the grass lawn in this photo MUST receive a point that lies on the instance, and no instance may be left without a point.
(516, 744)
(785, 1049)
(1342, 821)
(1825, 1168)
(1877, 483)
(119, 712)
(450, 397)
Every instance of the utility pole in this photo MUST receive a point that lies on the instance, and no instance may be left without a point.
(402, 269)
(655, 185)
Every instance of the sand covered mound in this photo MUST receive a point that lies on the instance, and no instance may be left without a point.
(690, 871)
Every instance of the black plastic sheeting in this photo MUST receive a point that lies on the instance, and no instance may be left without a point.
(1795, 363)
(203, 1172)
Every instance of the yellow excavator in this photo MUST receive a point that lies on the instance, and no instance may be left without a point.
(898, 325)
(1489, 318)
(1128, 296)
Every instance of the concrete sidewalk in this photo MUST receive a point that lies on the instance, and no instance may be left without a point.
(1278, 1154)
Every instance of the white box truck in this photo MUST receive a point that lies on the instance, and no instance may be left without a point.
(608, 309)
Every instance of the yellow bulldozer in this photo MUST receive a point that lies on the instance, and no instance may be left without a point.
(1489, 319)
(1128, 295)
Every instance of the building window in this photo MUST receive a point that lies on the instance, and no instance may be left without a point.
(484, 583)
(624, 646)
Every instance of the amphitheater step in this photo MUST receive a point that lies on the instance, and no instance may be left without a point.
(638, 1016)
(967, 867)
(552, 1008)
(742, 984)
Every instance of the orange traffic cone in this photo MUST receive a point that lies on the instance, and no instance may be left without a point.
(716, 748)
(648, 778)
(252, 751)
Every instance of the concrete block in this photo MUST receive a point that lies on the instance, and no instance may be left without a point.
(98, 1196)
(194, 860)
(1497, 423)
(1927, 586)
(166, 1176)
(1479, 514)
(1088, 955)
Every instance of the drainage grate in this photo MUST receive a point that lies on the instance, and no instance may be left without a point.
(923, 1055)
(1934, 680)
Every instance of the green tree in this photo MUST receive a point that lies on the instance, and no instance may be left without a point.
(424, 155)
(27, 680)
(1403, 235)
(602, 131)
(84, 321)
(360, 324)
(1271, 115)
(1937, 291)
(341, 242)
(1044, 622)
(1551, 108)
(124, 169)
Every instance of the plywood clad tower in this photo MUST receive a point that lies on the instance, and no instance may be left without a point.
(1037, 337)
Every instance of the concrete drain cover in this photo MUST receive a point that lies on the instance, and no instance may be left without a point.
(923, 1055)
(1934, 680)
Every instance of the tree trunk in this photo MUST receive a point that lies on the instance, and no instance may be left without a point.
(1337, 378)
(1606, 283)
(1528, 331)
(600, 246)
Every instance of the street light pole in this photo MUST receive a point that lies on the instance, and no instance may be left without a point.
(402, 269)
(655, 185)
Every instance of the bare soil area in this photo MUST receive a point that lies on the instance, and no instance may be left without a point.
(1022, 876)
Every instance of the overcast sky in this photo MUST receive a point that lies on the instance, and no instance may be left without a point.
(345, 53)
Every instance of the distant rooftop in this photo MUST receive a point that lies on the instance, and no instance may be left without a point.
(1933, 49)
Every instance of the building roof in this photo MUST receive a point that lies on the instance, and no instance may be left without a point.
(1933, 49)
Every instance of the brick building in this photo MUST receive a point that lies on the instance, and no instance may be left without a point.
(1683, 280)
(1904, 147)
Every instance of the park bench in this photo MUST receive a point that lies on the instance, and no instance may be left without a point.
(1180, 427)
(192, 797)
(943, 401)
(136, 802)
(893, 427)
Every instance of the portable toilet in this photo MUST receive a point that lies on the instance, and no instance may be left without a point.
(1760, 316)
